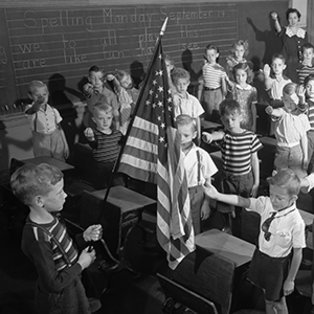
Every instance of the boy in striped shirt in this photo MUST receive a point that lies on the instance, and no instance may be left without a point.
(306, 67)
(46, 242)
(105, 143)
(239, 156)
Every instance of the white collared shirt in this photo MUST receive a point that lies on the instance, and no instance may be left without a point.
(207, 170)
(287, 229)
(277, 87)
(189, 105)
(45, 120)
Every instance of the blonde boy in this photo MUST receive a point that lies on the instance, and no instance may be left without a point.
(185, 103)
(282, 231)
(104, 141)
(199, 169)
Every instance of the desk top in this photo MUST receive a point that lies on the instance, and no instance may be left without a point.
(62, 165)
(124, 198)
(226, 245)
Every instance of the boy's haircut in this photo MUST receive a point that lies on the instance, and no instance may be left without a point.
(94, 68)
(307, 46)
(102, 106)
(292, 10)
(31, 180)
(310, 77)
(286, 179)
(278, 56)
(34, 85)
(211, 47)
(185, 119)
(243, 43)
(179, 73)
(229, 106)
(240, 66)
(289, 88)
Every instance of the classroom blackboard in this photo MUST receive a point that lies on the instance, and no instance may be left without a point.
(50, 42)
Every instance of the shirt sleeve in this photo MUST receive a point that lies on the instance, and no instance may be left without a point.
(298, 235)
(254, 96)
(57, 115)
(256, 144)
(197, 108)
(208, 167)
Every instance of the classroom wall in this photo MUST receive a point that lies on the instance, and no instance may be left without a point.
(52, 41)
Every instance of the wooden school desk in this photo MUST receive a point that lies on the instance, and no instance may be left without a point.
(121, 211)
(226, 245)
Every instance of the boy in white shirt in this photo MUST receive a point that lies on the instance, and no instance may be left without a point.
(199, 169)
(185, 103)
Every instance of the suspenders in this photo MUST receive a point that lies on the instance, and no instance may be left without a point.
(198, 167)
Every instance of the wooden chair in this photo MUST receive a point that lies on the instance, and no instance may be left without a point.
(187, 297)
(201, 280)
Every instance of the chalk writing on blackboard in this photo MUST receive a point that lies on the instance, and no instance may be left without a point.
(71, 56)
(199, 13)
(134, 16)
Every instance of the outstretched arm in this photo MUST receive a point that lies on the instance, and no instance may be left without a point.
(255, 170)
(210, 137)
(231, 199)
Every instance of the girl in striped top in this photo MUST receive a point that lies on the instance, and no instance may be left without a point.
(212, 87)
(239, 156)
(46, 242)
(309, 93)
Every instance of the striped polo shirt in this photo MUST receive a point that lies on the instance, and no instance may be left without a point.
(106, 146)
(60, 234)
(303, 71)
(310, 113)
(237, 150)
(213, 75)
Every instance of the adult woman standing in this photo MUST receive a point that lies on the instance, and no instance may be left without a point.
(293, 37)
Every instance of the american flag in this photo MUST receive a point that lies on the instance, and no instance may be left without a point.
(152, 154)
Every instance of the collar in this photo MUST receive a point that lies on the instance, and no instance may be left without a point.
(248, 87)
(44, 109)
(186, 95)
(191, 149)
(283, 211)
(300, 32)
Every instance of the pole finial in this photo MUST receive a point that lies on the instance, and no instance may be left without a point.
(164, 26)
